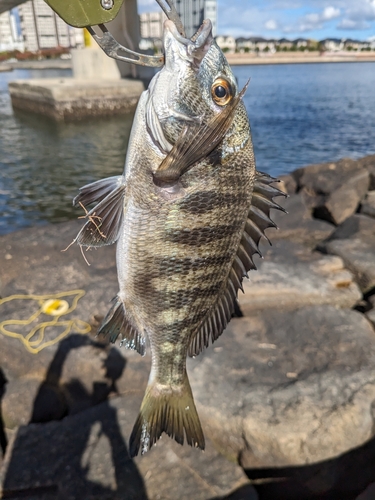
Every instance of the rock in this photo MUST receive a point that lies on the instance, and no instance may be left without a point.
(298, 224)
(368, 162)
(354, 242)
(368, 205)
(333, 190)
(370, 315)
(344, 201)
(18, 402)
(288, 388)
(326, 177)
(369, 494)
(85, 456)
(287, 184)
(290, 276)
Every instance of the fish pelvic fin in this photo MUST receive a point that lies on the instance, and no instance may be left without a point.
(166, 409)
(117, 323)
(104, 221)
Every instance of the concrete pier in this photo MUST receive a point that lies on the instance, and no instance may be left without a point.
(68, 99)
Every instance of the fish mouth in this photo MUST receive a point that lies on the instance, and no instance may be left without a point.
(198, 45)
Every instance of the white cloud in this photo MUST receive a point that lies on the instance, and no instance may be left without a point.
(314, 20)
(330, 12)
(271, 24)
(351, 24)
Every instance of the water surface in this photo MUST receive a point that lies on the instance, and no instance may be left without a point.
(300, 114)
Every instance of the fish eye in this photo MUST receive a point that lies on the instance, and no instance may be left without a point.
(221, 92)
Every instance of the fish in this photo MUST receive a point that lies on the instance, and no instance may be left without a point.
(187, 214)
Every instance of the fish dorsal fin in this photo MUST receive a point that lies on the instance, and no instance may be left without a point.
(257, 222)
(105, 219)
(117, 323)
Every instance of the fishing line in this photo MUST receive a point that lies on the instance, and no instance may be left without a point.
(52, 305)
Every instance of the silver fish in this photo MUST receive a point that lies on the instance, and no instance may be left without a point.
(187, 214)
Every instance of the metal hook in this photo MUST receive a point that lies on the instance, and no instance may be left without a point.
(171, 13)
(111, 47)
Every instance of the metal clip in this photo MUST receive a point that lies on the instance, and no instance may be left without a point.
(111, 47)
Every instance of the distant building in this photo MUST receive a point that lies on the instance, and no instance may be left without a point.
(192, 13)
(9, 37)
(42, 29)
(332, 44)
(151, 24)
(226, 43)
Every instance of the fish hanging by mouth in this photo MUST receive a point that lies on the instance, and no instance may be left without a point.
(187, 214)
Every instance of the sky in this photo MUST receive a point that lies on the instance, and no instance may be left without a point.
(316, 19)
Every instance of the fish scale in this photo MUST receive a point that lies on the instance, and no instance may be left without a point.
(187, 215)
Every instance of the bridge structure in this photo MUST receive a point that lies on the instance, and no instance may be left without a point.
(125, 28)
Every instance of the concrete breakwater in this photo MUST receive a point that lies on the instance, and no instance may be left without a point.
(285, 395)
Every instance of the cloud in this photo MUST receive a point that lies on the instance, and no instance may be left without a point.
(314, 20)
(351, 24)
(330, 12)
(271, 24)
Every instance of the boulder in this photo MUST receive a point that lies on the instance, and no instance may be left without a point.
(325, 178)
(368, 205)
(368, 163)
(290, 276)
(288, 184)
(298, 225)
(368, 494)
(334, 190)
(354, 242)
(85, 456)
(288, 388)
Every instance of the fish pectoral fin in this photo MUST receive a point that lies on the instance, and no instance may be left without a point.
(166, 409)
(197, 142)
(97, 191)
(117, 323)
(258, 221)
(104, 221)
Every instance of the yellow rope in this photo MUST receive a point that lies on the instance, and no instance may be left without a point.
(52, 305)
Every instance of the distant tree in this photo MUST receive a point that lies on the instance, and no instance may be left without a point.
(246, 49)
(266, 49)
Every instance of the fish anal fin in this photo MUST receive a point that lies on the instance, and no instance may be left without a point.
(117, 323)
(166, 410)
(104, 221)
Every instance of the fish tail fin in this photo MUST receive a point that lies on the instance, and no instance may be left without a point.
(166, 410)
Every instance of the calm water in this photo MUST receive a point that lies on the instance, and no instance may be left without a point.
(300, 114)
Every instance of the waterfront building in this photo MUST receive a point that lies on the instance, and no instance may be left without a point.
(151, 24)
(226, 43)
(9, 37)
(192, 13)
(42, 29)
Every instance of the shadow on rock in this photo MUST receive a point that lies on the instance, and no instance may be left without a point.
(81, 456)
(341, 478)
(3, 438)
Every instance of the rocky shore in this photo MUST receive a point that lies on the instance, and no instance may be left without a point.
(286, 395)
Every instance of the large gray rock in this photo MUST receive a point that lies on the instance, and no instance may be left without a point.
(288, 388)
(298, 225)
(291, 276)
(333, 190)
(85, 456)
(368, 163)
(354, 242)
(368, 205)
